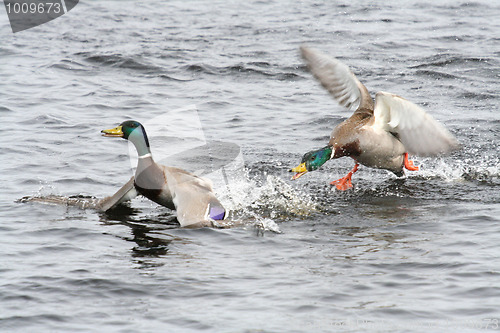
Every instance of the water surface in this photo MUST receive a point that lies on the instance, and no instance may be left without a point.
(417, 254)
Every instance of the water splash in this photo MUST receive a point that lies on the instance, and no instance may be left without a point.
(80, 201)
(267, 197)
(485, 169)
(259, 202)
(267, 225)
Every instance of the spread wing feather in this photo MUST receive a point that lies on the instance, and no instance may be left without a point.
(418, 131)
(338, 79)
(125, 193)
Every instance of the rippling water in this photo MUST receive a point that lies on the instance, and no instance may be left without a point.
(417, 254)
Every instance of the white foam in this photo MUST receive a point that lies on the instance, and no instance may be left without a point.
(451, 170)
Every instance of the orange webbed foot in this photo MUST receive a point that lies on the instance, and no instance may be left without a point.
(344, 183)
(409, 164)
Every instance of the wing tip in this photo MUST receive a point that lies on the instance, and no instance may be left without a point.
(307, 52)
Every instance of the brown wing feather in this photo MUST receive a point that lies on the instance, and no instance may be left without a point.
(339, 80)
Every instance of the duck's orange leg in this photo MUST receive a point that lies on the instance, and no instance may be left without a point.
(344, 183)
(409, 164)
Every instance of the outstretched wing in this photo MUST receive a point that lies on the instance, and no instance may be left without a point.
(418, 131)
(193, 197)
(338, 79)
(125, 193)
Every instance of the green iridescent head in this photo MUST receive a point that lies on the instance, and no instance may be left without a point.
(133, 131)
(312, 160)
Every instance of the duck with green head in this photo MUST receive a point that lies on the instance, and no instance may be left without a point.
(191, 196)
(377, 135)
(312, 161)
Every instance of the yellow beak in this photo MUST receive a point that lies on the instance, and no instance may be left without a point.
(301, 170)
(116, 132)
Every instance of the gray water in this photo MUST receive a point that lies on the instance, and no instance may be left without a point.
(418, 254)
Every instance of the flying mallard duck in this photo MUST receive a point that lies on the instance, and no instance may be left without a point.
(191, 196)
(379, 135)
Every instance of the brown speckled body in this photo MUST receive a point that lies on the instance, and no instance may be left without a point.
(356, 138)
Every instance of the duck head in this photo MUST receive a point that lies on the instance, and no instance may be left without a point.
(134, 132)
(312, 160)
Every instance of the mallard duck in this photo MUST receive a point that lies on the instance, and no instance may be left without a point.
(191, 196)
(377, 135)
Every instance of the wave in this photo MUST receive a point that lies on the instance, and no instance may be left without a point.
(70, 65)
(252, 68)
(436, 74)
(119, 61)
(477, 96)
(137, 63)
(46, 119)
(444, 60)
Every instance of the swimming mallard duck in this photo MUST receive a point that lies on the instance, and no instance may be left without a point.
(191, 196)
(377, 135)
